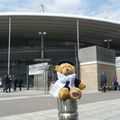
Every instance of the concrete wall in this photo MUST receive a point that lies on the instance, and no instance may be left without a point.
(109, 70)
(96, 53)
(88, 74)
(93, 61)
(118, 74)
(105, 55)
(87, 54)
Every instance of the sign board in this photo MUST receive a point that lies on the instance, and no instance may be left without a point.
(37, 68)
(42, 59)
(117, 62)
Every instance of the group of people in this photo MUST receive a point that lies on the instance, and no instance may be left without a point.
(10, 81)
(103, 83)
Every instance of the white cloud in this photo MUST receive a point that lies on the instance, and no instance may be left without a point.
(65, 6)
(18, 5)
(77, 7)
(111, 10)
(86, 7)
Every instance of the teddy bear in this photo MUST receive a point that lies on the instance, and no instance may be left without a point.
(68, 87)
(72, 84)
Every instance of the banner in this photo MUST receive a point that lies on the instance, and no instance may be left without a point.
(37, 68)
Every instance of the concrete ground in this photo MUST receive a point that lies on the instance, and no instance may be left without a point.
(105, 110)
(94, 105)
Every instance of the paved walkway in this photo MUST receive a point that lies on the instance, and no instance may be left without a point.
(34, 93)
(105, 110)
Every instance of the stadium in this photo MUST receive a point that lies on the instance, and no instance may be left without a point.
(30, 38)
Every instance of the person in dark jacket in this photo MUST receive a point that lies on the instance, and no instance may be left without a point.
(20, 81)
(103, 82)
(4, 83)
(115, 83)
(9, 82)
(15, 82)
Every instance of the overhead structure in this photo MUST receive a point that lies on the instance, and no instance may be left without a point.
(61, 29)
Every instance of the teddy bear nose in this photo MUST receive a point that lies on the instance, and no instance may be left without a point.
(67, 69)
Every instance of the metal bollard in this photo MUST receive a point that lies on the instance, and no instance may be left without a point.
(67, 109)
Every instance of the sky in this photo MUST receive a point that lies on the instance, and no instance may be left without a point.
(109, 9)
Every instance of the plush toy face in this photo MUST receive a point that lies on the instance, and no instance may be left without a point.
(66, 69)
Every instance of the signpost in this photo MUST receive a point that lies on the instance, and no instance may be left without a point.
(36, 69)
(42, 59)
(39, 73)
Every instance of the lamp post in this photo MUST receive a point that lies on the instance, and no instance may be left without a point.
(108, 42)
(9, 44)
(42, 43)
(77, 49)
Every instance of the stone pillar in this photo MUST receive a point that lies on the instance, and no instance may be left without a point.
(93, 61)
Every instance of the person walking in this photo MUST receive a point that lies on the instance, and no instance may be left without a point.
(4, 83)
(20, 81)
(9, 82)
(15, 82)
(103, 82)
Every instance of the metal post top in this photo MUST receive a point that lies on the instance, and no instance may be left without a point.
(69, 105)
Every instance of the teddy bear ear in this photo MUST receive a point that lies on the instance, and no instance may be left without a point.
(57, 67)
(73, 68)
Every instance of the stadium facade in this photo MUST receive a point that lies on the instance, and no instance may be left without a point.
(29, 38)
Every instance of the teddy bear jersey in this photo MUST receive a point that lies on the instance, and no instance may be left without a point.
(68, 78)
(71, 79)
(61, 82)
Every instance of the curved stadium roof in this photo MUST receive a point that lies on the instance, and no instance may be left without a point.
(60, 29)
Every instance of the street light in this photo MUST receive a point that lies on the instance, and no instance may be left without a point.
(42, 43)
(9, 45)
(77, 47)
(108, 42)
